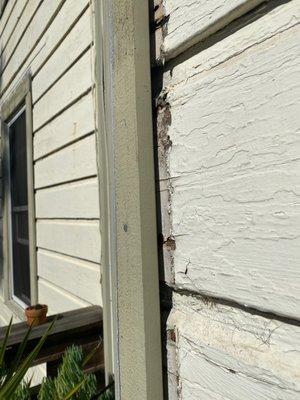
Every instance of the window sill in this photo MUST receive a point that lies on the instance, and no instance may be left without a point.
(5, 314)
(10, 308)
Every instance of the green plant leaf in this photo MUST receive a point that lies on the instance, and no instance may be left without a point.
(91, 354)
(75, 389)
(9, 388)
(20, 352)
(4, 344)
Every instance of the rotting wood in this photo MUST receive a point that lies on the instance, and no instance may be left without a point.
(158, 31)
(164, 145)
(252, 353)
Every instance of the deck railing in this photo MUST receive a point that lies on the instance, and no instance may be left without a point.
(82, 327)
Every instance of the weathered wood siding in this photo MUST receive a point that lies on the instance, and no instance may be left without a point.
(191, 21)
(224, 353)
(53, 39)
(228, 131)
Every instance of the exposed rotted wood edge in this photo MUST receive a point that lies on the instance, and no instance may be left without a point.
(158, 20)
(167, 242)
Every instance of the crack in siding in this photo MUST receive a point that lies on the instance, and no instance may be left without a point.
(215, 300)
(197, 351)
(237, 54)
(232, 26)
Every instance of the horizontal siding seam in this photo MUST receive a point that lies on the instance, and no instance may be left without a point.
(13, 29)
(62, 291)
(64, 108)
(68, 220)
(233, 56)
(64, 146)
(73, 63)
(19, 40)
(215, 26)
(34, 46)
(92, 180)
(61, 40)
(66, 182)
(238, 23)
(227, 302)
(56, 254)
(5, 23)
(68, 255)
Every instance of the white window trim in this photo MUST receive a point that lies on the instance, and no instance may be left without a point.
(20, 95)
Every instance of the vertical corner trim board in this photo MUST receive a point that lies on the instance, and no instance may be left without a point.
(191, 21)
(234, 165)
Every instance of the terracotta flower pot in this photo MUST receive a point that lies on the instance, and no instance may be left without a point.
(36, 315)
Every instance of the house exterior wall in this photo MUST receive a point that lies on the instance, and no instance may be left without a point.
(53, 39)
(228, 155)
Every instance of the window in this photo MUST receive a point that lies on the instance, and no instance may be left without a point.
(18, 208)
(19, 251)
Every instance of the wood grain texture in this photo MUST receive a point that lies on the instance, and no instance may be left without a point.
(73, 84)
(73, 162)
(227, 354)
(192, 21)
(75, 122)
(79, 38)
(234, 166)
(81, 278)
(74, 238)
(72, 200)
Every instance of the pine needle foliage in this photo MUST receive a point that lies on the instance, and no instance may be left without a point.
(22, 392)
(11, 378)
(108, 395)
(70, 377)
(71, 382)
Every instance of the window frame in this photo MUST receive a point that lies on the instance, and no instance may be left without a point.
(21, 97)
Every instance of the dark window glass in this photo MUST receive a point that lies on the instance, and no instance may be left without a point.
(19, 209)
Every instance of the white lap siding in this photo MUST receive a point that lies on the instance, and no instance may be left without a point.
(191, 21)
(230, 173)
(53, 40)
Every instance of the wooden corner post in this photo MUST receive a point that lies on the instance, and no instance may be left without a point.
(125, 152)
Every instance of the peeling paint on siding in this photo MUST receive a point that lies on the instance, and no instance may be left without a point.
(228, 154)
